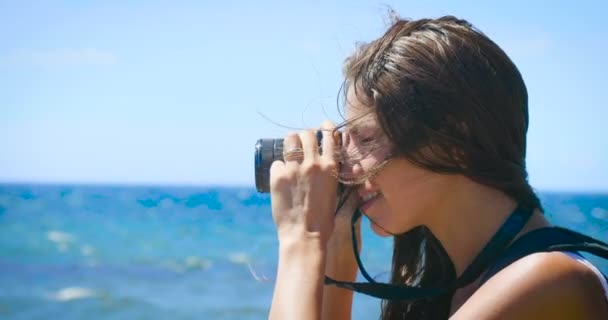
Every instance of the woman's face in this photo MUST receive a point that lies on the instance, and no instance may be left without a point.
(400, 196)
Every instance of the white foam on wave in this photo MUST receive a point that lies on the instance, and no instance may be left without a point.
(59, 237)
(87, 250)
(194, 262)
(239, 258)
(72, 293)
(599, 213)
(572, 214)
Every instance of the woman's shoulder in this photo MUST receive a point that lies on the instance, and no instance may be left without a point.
(549, 285)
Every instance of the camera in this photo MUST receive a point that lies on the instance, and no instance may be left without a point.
(266, 152)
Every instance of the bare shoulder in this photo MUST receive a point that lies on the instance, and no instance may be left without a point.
(547, 285)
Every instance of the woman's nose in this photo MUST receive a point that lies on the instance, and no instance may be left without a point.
(357, 169)
(352, 170)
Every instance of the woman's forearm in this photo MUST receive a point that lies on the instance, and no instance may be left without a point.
(337, 302)
(298, 289)
(341, 265)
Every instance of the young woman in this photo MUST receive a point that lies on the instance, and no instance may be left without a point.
(434, 146)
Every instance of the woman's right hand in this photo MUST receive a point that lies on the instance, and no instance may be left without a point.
(303, 193)
(341, 263)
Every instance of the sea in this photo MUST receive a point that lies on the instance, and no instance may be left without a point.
(156, 252)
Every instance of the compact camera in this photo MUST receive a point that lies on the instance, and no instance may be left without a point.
(266, 152)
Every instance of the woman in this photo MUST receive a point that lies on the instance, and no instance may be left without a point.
(434, 146)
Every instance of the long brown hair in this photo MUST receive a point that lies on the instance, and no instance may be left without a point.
(451, 101)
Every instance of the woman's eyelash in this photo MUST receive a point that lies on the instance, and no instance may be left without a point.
(366, 139)
(362, 138)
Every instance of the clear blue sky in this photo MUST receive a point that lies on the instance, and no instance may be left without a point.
(172, 92)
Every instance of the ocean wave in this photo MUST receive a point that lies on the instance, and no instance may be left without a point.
(599, 213)
(59, 236)
(166, 203)
(87, 250)
(72, 293)
(239, 258)
(61, 239)
(571, 214)
(75, 199)
(190, 263)
(194, 262)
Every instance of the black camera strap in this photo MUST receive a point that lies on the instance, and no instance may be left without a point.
(496, 255)
(547, 240)
(493, 250)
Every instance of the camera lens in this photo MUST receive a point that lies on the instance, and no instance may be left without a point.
(266, 152)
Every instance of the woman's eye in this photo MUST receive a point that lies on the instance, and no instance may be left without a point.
(367, 139)
(358, 139)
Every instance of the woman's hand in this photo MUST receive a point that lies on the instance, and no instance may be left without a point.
(303, 188)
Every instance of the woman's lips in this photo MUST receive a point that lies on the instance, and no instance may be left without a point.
(369, 199)
(368, 195)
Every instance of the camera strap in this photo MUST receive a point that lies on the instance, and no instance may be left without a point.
(493, 250)
(495, 256)
(547, 240)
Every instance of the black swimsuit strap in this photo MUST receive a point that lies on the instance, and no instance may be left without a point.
(490, 252)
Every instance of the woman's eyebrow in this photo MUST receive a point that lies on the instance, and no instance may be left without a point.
(361, 128)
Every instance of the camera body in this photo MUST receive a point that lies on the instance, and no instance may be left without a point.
(269, 150)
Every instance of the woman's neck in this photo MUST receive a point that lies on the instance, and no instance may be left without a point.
(469, 217)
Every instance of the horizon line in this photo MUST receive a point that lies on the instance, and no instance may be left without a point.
(242, 185)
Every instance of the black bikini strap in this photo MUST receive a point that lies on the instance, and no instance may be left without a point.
(491, 251)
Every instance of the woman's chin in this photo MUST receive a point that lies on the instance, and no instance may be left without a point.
(379, 231)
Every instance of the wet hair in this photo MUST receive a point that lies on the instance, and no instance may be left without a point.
(449, 100)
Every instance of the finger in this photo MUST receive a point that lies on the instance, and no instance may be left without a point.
(276, 169)
(292, 148)
(309, 144)
(329, 142)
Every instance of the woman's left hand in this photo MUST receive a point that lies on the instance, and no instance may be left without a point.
(304, 187)
(303, 191)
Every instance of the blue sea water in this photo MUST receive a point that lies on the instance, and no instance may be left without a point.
(108, 252)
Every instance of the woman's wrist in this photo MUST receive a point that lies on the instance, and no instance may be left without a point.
(302, 245)
(300, 275)
(303, 262)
